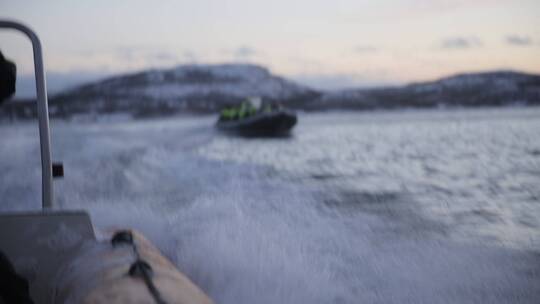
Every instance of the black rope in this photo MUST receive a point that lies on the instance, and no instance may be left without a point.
(140, 268)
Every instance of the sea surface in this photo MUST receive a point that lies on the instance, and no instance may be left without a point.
(418, 206)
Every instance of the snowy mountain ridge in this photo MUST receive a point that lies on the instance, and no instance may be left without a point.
(185, 88)
(208, 88)
(499, 88)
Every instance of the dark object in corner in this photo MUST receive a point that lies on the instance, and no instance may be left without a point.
(8, 74)
(13, 288)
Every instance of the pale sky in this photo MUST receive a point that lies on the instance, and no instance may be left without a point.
(326, 44)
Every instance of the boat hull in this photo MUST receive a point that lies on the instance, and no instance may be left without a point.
(58, 256)
(266, 124)
(101, 273)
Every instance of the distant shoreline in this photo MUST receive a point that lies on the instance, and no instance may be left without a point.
(126, 117)
(206, 89)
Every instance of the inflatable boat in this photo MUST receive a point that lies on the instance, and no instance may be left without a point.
(51, 256)
(275, 123)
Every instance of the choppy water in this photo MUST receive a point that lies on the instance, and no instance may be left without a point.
(384, 207)
(477, 173)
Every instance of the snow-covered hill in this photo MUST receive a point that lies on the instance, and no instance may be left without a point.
(194, 88)
(465, 90)
(208, 88)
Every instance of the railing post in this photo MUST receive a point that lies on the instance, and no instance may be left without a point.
(42, 110)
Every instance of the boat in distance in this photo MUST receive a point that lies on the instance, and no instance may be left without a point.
(275, 123)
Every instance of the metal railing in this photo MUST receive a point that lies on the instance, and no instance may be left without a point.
(42, 111)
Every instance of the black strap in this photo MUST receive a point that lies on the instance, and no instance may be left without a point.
(140, 268)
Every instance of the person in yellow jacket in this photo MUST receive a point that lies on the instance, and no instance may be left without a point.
(246, 109)
(228, 114)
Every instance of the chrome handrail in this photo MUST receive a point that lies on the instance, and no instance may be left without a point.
(43, 111)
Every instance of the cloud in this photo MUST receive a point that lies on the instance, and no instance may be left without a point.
(141, 55)
(241, 53)
(518, 40)
(244, 52)
(126, 53)
(189, 57)
(457, 43)
(160, 57)
(366, 49)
